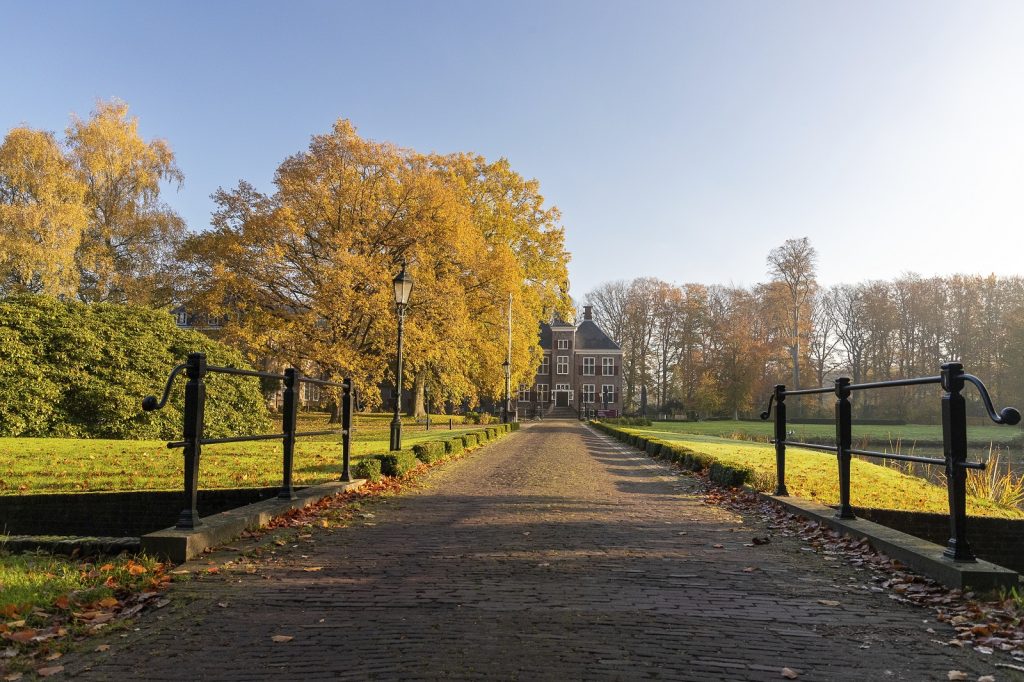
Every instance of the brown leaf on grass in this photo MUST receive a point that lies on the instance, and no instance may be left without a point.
(281, 638)
(108, 602)
(52, 670)
(54, 656)
(790, 674)
(103, 647)
(21, 636)
(106, 568)
(213, 570)
(136, 569)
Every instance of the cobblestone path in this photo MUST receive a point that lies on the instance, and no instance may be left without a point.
(555, 553)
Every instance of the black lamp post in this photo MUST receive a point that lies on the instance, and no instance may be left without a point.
(403, 287)
(508, 387)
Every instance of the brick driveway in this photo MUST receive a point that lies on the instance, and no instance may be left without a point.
(554, 553)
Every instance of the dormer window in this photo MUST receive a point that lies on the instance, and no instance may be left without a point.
(563, 344)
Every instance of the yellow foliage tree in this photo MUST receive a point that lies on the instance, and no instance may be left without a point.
(41, 215)
(305, 274)
(127, 249)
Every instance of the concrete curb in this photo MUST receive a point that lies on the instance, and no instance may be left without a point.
(181, 545)
(923, 556)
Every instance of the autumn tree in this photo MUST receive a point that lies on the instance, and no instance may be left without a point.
(127, 248)
(41, 215)
(305, 273)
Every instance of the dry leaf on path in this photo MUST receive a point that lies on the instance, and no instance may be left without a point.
(790, 674)
(13, 677)
(956, 675)
(986, 678)
(310, 569)
(103, 647)
(828, 602)
(52, 670)
(281, 638)
(718, 546)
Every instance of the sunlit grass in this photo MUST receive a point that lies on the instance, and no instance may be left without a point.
(815, 476)
(48, 465)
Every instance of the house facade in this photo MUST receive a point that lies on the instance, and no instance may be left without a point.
(581, 370)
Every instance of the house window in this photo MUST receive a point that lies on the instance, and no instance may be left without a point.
(542, 393)
(563, 364)
(608, 367)
(182, 319)
(563, 344)
(545, 366)
(310, 393)
(608, 394)
(588, 393)
(588, 367)
(524, 393)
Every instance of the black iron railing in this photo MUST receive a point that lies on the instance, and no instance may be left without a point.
(192, 441)
(954, 442)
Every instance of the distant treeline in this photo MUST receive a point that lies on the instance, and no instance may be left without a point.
(718, 350)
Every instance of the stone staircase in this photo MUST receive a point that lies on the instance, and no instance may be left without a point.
(561, 413)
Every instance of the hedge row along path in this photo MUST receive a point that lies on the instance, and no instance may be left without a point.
(554, 553)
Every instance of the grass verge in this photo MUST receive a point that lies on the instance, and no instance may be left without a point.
(814, 476)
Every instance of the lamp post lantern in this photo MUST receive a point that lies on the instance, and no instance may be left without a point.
(508, 387)
(403, 287)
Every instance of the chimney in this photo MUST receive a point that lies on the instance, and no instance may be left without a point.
(588, 312)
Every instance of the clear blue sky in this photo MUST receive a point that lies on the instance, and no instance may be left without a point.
(681, 140)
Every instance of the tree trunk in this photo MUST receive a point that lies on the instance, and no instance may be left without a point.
(418, 407)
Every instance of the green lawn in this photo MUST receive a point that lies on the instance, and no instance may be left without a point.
(904, 436)
(813, 475)
(41, 465)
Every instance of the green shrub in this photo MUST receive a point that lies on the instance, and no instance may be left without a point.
(430, 451)
(514, 426)
(397, 463)
(368, 468)
(654, 448)
(724, 474)
(469, 440)
(81, 371)
(492, 433)
(453, 446)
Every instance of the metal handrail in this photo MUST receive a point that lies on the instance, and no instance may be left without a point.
(954, 430)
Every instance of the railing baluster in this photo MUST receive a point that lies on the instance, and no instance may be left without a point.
(347, 398)
(954, 447)
(844, 441)
(780, 441)
(292, 378)
(195, 407)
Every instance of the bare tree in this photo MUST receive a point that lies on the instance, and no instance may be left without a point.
(793, 264)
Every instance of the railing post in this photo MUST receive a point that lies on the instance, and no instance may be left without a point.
(780, 441)
(292, 382)
(347, 395)
(195, 407)
(451, 423)
(954, 447)
(844, 441)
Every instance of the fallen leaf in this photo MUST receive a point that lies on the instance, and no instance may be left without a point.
(54, 656)
(106, 568)
(987, 678)
(718, 546)
(828, 602)
(280, 543)
(310, 569)
(108, 602)
(213, 570)
(13, 676)
(52, 670)
(956, 675)
(222, 604)
(103, 647)
(790, 674)
(281, 638)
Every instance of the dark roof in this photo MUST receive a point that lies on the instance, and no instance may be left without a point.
(590, 337)
(545, 336)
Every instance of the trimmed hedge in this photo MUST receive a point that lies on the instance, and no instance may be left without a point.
(723, 474)
(397, 463)
(368, 468)
(453, 446)
(469, 440)
(430, 451)
(514, 426)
